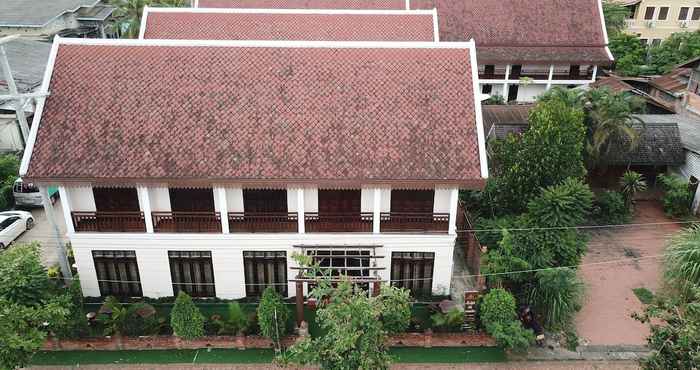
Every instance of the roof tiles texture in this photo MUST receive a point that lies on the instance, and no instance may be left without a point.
(304, 4)
(310, 27)
(285, 114)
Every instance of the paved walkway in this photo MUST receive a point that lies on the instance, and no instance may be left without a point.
(44, 234)
(605, 317)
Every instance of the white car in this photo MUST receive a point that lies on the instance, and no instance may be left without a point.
(12, 225)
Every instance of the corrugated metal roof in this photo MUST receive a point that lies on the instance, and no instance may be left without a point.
(28, 60)
(37, 13)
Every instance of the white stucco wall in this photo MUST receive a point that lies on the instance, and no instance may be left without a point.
(310, 199)
(81, 199)
(234, 199)
(385, 200)
(530, 92)
(367, 200)
(441, 204)
(691, 168)
(160, 199)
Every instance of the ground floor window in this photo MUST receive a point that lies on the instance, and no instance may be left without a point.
(352, 263)
(413, 271)
(192, 272)
(263, 269)
(117, 273)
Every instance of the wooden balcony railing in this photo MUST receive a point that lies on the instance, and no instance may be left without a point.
(187, 222)
(414, 222)
(108, 221)
(263, 222)
(338, 222)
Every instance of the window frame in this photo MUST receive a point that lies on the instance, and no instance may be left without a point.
(404, 267)
(681, 16)
(276, 259)
(201, 265)
(663, 13)
(114, 284)
(695, 15)
(647, 16)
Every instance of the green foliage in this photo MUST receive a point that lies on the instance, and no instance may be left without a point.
(491, 239)
(113, 316)
(677, 198)
(676, 49)
(549, 152)
(495, 100)
(272, 316)
(611, 208)
(502, 259)
(614, 15)
(395, 306)
(236, 321)
(9, 168)
(682, 261)
(141, 319)
(557, 296)
(450, 321)
(185, 319)
(566, 204)
(644, 295)
(630, 54)
(632, 183)
(675, 332)
(76, 324)
(23, 279)
(498, 316)
(127, 15)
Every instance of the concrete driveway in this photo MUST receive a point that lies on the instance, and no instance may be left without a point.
(44, 234)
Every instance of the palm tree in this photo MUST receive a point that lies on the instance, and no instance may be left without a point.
(682, 264)
(632, 183)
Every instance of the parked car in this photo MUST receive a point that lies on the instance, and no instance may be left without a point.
(27, 195)
(12, 225)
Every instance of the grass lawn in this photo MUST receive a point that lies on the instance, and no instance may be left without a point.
(253, 356)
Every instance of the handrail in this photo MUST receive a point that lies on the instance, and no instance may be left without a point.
(120, 221)
(414, 222)
(251, 222)
(186, 222)
(338, 222)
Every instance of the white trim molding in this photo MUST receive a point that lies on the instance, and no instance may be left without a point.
(483, 160)
(66, 206)
(144, 17)
(436, 27)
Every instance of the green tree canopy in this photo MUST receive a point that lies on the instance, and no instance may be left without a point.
(615, 15)
(630, 54)
(676, 49)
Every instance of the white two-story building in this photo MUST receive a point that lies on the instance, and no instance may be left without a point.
(204, 166)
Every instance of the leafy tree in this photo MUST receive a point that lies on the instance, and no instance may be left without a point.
(113, 316)
(632, 183)
(566, 204)
(9, 168)
(498, 316)
(630, 54)
(675, 332)
(550, 151)
(186, 320)
(395, 306)
(682, 261)
(676, 49)
(557, 295)
(615, 15)
(502, 259)
(127, 14)
(677, 198)
(611, 208)
(449, 321)
(23, 278)
(272, 316)
(235, 322)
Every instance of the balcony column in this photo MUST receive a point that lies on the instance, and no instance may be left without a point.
(145, 205)
(221, 201)
(595, 72)
(300, 211)
(376, 210)
(551, 75)
(65, 204)
(505, 84)
(454, 199)
(60, 245)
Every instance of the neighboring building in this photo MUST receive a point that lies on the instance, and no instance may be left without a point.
(655, 20)
(654, 105)
(27, 60)
(42, 18)
(353, 153)
(679, 87)
(289, 24)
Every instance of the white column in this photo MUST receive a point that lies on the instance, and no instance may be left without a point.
(551, 74)
(300, 210)
(505, 84)
(145, 205)
(696, 201)
(454, 198)
(65, 204)
(220, 193)
(595, 72)
(60, 245)
(376, 211)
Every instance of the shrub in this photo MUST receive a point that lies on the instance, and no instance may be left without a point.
(632, 183)
(677, 197)
(498, 316)
(186, 320)
(489, 238)
(23, 279)
(682, 261)
(395, 307)
(556, 296)
(450, 321)
(610, 208)
(502, 259)
(9, 168)
(565, 204)
(272, 316)
(235, 323)
(113, 316)
(76, 323)
(141, 319)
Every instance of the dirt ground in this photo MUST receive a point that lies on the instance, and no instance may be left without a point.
(605, 317)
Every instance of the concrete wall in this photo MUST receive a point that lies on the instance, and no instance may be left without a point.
(691, 168)
(528, 93)
(661, 29)
(81, 199)
(160, 199)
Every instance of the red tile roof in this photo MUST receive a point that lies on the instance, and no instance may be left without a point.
(260, 114)
(189, 25)
(519, 31)
(304, 4)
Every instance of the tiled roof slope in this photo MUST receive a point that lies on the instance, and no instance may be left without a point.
(187, 25)
(259, 115)
(562, 30)
(304, 4)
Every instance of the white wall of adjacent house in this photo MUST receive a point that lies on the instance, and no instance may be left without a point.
(529, 93)
(227, 255)
(691, 168)
(10, 134)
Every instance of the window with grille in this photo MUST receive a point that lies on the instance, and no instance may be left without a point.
(353, 263)
(263, 269)
(649, 13)
(683, 13)
(696, 14)
(663, 13)
(413, 271)
(117, 273)
(192, 272)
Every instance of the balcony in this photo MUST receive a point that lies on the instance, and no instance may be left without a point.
(338, 222)
(186, 222)
(424, 222)
(108, 221)
(263, 222)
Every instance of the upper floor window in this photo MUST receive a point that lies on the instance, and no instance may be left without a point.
(490, 69)
(663, 13)
(656, 42)
(696, 14)
(683, 14)
(649, 13)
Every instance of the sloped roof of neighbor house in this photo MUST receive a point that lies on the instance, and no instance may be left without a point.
(27, 60)
(286, 24)
(303, 4)
(525, 31)
(260, 113)
(37, 13)
(688, 125)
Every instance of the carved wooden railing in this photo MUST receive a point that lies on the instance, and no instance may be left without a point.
(263, 222)
(108, 221)
(187, 222)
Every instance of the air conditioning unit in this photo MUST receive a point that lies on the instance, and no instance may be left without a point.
(651, 24)
(683, 24)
